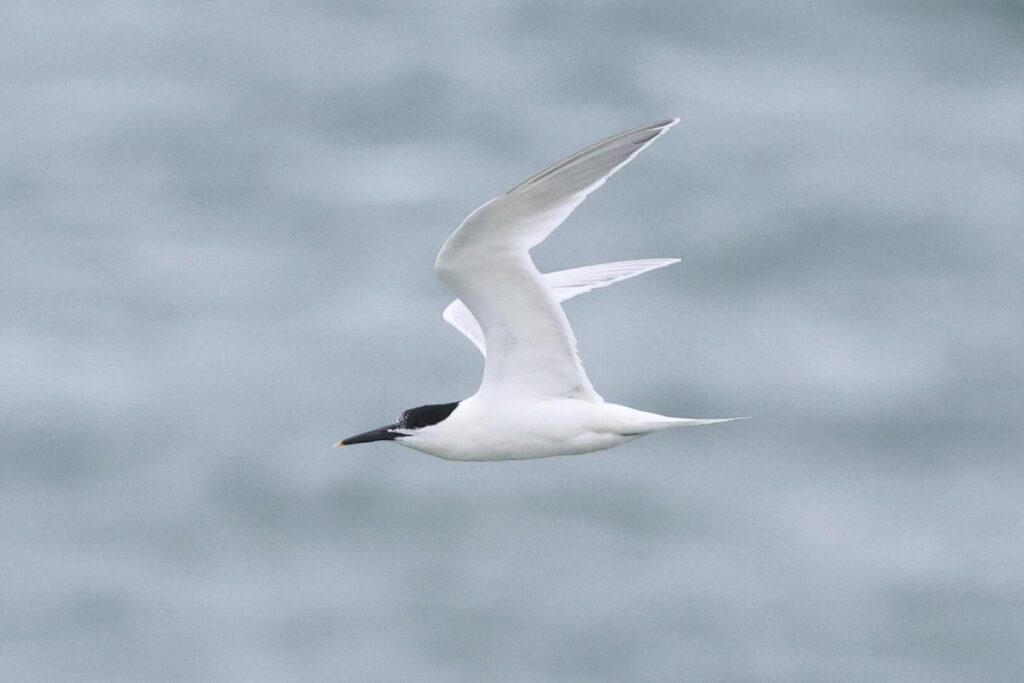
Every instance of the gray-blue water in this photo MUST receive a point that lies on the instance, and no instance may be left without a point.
(218, 226)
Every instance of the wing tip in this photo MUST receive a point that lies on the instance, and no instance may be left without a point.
(664, 124)
(656, 263)
(651, 133)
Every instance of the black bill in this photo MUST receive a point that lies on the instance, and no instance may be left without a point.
(383, 434)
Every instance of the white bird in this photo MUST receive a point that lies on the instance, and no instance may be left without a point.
(535, 399)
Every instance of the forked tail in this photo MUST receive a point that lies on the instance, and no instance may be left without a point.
(669, 422)
(633, 420)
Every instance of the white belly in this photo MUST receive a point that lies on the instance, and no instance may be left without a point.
(518, 446)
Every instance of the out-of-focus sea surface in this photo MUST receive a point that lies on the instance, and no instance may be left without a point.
(218, 228)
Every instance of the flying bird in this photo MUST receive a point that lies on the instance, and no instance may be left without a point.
(535, 399)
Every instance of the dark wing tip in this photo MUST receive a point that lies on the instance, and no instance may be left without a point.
(634, 138)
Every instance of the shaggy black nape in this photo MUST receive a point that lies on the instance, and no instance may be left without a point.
(424, 416)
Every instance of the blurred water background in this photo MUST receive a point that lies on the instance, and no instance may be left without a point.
(218, 227)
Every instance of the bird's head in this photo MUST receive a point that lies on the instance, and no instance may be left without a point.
(410, 422)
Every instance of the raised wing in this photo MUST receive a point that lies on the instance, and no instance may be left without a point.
(486, 262)
(564, 284)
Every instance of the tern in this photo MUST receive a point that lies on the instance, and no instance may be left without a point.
(535, 399)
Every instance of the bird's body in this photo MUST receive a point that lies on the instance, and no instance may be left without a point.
(535, 399)
(517, 429)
